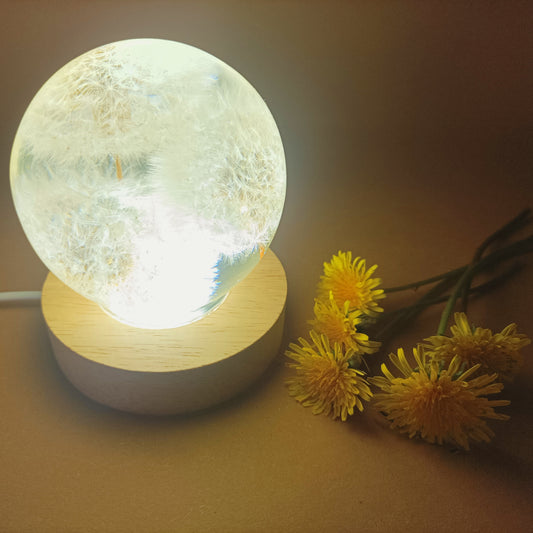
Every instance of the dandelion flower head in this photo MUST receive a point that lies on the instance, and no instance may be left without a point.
(340, 325)
(350, 281)
(324, 380)
(441, 405)
(494, 352)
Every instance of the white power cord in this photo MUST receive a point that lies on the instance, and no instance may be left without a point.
(20, 297)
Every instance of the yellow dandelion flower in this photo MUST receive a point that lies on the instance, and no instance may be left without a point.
(350, 281)
(438, 404)
(494, 352)
(324, 380)
(339, 324)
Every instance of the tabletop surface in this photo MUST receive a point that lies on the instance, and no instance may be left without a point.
(407, 128)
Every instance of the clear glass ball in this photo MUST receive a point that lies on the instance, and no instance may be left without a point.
(149, 176)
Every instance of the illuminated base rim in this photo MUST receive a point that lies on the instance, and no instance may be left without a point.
(169, 371)
(191, 317)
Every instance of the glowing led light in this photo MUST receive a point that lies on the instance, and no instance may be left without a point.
(149, 176)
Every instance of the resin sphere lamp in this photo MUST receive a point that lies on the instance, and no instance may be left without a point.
(149, 177)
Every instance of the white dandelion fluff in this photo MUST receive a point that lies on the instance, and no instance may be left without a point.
(149, 176)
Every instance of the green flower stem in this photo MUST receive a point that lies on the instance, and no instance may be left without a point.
(514, 269)
(401, 320)
(459, 277)
(388, 314)
(450, 304)
(415, 285)
(465, 292)
(488, 285)
(521, 220)
(515, 249)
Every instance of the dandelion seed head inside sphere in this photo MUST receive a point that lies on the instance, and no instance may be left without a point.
(149, 176)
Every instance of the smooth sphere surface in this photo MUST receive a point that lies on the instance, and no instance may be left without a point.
(149, 176)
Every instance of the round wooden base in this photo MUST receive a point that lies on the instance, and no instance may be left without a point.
(169, 371)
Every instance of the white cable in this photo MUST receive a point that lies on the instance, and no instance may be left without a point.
(15, 297)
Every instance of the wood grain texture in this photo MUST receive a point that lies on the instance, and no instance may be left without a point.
(172, 370)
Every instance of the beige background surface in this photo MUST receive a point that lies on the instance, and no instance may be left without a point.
(408, 134)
